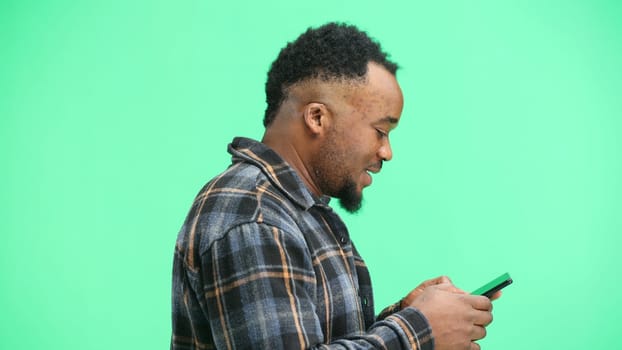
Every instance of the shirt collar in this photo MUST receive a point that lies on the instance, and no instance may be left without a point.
(281, 174)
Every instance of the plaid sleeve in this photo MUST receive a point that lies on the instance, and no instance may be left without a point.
(260, 290)
(389, 310)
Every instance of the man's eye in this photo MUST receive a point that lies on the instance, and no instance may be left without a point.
(381, 133)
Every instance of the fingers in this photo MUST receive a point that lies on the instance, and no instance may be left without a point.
(480, 302)
(496, 296)
(474, 346)
(436, 281)
(448, 287)
(478, 333)
(482, 309)
(482, 319)
(441, 280)
(458, 320)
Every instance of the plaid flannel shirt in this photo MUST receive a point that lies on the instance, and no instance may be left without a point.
(262, 263)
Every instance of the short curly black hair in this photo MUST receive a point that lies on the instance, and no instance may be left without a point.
(331, 52)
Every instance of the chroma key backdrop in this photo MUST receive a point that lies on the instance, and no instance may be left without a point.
(508, 158)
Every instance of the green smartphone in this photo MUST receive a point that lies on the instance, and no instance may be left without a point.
(494, 286)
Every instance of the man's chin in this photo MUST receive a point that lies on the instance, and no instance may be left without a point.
(350, 197)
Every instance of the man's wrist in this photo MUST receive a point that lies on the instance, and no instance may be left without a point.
(400, 304)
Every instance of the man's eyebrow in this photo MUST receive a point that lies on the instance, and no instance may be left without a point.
(389, 119)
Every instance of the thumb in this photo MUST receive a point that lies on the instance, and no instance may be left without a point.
(437, 280)
(449, 287)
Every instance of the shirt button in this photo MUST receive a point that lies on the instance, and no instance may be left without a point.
(343, 240)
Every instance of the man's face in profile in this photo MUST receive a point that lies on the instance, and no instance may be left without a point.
(357, 143)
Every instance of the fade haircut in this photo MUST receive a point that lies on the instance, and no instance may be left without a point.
(334, 51)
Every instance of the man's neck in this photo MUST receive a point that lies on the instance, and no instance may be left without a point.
(279, 140)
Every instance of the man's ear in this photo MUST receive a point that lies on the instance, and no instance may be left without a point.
(316, 117)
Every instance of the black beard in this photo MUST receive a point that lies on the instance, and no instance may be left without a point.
(332, 178)
(349, 198)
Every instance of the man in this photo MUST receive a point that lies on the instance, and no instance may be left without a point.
(263, 262)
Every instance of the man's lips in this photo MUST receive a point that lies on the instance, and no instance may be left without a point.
(375, 168)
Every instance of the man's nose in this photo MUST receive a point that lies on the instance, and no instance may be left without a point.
(385, 152)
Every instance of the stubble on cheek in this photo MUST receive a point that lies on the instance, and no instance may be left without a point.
(333, 177)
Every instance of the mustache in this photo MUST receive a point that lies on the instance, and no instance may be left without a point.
(376, 166)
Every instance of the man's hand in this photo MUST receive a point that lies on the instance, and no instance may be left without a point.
(457, 319)
(442, 281)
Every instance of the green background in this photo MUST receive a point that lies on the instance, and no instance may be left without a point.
(113, 114)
